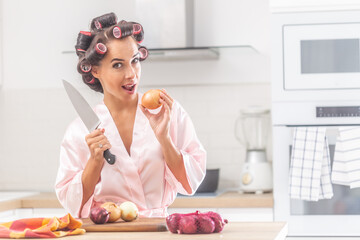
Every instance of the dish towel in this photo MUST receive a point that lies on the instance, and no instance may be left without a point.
(41, 227)
(346, 166)
(310, 165)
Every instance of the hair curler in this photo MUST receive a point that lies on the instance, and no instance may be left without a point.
(143, 53)
(97, 25)
(86, 33)
(89, 79)
(136, 28)
(117, 32)
(85, 66)
(100, 48)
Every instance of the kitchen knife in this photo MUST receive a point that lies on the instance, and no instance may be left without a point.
(86, 113)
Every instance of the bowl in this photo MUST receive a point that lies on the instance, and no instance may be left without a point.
(210, 182)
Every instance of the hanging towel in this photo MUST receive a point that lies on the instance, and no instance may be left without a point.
(310, 165)
(41, 227)
(346, 166)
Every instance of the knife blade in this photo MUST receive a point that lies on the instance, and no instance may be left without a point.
(86, 113)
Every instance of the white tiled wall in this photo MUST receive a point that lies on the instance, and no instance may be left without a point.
(33, 122)
(35, 111)
(214, 110)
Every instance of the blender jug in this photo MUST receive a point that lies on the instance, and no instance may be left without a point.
(251, 129)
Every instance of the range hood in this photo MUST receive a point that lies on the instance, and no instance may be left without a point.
(170, 31)
(168, 24)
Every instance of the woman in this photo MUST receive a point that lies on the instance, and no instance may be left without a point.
(157, 153)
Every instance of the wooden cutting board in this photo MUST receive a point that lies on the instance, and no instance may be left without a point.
(138, 225)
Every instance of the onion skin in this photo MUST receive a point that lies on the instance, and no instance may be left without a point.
(114, 211)
(218, 220)
(99, 215)
(196, 222)
(188, 225)
(206, 224)
(129, 211)
(151, 99)
(172, 222)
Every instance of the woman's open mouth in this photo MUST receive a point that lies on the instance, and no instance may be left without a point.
(129, 88)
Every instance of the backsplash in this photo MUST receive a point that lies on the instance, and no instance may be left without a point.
(32, 129)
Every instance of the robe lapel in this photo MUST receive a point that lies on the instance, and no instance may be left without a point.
(128, 165)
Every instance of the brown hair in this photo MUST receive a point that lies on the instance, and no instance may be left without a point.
(91, 46)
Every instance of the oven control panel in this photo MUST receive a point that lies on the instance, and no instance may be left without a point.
(346, 111)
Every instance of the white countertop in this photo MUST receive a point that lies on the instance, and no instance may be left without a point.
(12, 195)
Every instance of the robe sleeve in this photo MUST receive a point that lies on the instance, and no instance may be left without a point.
(74, 154)
(183, 134)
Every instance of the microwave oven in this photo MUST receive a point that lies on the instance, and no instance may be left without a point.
(321, 56)
(315, 82)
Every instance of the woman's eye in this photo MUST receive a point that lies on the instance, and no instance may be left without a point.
(136, 60)
(117, 65)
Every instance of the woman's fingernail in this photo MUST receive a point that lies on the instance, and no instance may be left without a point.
(103, 130)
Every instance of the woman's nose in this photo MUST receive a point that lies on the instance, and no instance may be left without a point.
(130, 72)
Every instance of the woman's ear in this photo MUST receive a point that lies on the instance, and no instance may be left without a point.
(95, 71)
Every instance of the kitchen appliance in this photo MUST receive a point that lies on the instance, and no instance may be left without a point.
(87, 114)
(210, 182)
(251, 129)
(315, 83)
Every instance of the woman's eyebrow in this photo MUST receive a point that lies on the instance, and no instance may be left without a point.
(119, 59)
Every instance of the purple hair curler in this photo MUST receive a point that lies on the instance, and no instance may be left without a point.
(117, 32)
(143, 53)
(136, 29)
(97, 25)
(90, 79)
(86, 33)
(100, 48)
(85, 67)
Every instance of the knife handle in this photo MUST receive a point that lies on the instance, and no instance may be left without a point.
(109, 157)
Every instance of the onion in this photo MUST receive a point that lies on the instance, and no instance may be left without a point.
(129, 211)
(99, 215)
(206, 224)
(114, 211)
(151, 99)
(218, 220)
(187, 224)
(172, 222)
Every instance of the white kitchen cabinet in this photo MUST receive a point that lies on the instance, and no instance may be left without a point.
(234, 214)
(310, 5)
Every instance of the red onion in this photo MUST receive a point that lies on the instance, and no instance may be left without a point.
(188, 225)
(206, 224)
(218, 220)
(99, 215)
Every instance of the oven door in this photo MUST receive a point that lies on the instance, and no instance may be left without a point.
(321, 56)
(339, 216)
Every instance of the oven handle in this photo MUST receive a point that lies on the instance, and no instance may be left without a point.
(317, 125)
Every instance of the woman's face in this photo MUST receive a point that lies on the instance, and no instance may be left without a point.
(119, 71)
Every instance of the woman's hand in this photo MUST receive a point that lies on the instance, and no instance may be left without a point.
(97, 143)
(160, 122)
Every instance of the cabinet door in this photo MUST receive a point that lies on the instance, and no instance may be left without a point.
(247, 214)
(322, 5)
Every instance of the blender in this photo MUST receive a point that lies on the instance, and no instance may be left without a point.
(252, 130)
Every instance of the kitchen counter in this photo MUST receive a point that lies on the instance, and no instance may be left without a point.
(225, 200)
(233, 230)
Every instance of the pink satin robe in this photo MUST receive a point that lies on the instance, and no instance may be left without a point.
(143, 177)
